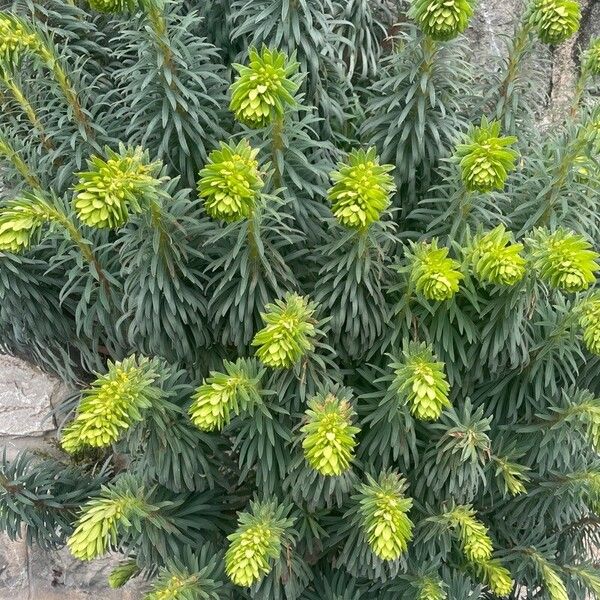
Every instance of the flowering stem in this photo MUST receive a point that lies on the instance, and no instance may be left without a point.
(276, 148)
(516, 53)
(582, 82)
(20, 165)
(28, 109)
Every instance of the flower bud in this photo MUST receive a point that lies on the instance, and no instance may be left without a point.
(555, 20)
(442, 19)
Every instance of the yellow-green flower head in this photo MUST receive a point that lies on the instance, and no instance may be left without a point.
(231, 182)
(442, 19)
(555, 20)
(383, 509)
(97, 527)
(122, 573)
(113, 403)
(497, 578)
(431, 589)
(553, 584)
(264, 88)
(328, 435)
(486, 158)
(20, 220)
(583, 167)
(255, 544)
(421, 383)
(16, 38)
(181, 585)
(112, 6)
(112, 188)
(288, 332)
(591, 57)
(434, 275)
(361, 190)
(474, 539)
(589, 321)
(494, 259)
(564, 260)
(224, 394)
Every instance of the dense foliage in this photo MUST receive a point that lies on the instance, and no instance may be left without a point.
(327, 292)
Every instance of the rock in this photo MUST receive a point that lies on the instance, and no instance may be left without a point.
(26, 395)
(14, 580)
(60, 576)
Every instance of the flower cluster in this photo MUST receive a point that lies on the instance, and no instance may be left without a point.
(264, 88)
(288, 333)
(361, 190)
(122, 573)
(434, 275)
(383, 510)
(555, 20)
(255, 543)
(430, 589)
(564, 260)
(21, 220)
(231, 182)
(420, 382)
(474, 539)
(112, 404)
(225, 394)
(112, 6)
(328, 435)
(442, 19)
(486, 158)
(591, 57)
(589, 322)
(494, 259)
(17, 38)
(97, 528)
(496, 577)
(554, 585)
(111, 188)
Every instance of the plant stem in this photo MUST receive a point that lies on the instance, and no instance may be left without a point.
(20, 165)
(276, 148)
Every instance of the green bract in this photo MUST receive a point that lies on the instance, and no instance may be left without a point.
(112, 6)
(442, 19)
(361, 190)
(434, 275)
(495, 259)
(20, 220)
(420, 382)
(590, 324)
(497, 577)
(555, 20)
(328, 435)
(383, 509)
(431, 589)
(485, 158)
(231, 182)
(591, 57)
(16, 38)
(264, 88)
(474, 539)
(112, 404)
(564, 260)
(288, 332)
(224, 394)
(112, 188)
(255, 543)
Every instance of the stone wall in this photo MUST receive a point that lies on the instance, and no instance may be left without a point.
(27, 394)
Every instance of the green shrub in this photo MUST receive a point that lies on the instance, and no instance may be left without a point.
(328, 298)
